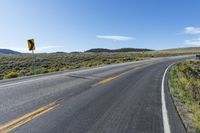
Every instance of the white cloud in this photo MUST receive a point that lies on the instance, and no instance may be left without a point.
(192, 30)
(195, 31)
(193, 42)
(115, 38)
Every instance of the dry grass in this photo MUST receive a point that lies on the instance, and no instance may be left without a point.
(185, 86)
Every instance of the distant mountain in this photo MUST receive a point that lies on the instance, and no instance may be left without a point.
(96, 50)
(8, 51)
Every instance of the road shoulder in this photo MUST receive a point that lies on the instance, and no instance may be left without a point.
(175, 121)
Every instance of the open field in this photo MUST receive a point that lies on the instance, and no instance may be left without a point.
(185, 88)
(21, 65)
(183, 50)
(179, 51)
(12, 66)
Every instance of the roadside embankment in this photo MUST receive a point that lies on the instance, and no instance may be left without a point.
(184, 84)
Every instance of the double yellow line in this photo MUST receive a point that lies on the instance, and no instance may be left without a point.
(104, 81)
(5, 128)
(26, 118)
(107, 80)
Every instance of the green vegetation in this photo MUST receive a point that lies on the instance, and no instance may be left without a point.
(46, 63)
(11, 75)
(185, 87)
(149, 52)
(183, 50)
(53, 62)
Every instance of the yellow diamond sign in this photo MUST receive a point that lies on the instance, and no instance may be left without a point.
(31, 45)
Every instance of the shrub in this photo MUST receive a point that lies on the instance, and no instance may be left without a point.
(11, 75)
(185, 86)
(41, 70)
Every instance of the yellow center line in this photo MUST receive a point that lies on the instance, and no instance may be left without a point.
(5, 128)
(107, 80)
(104, 81)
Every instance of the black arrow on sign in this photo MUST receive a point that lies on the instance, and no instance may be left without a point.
(32, 44)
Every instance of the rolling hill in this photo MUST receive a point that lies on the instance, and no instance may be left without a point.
(8, 51)
(185, 49)
(180, 51)
(97, 50)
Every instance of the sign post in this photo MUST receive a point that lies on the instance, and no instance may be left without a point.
(31, 47)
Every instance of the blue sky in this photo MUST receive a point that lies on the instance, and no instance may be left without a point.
(78, 25)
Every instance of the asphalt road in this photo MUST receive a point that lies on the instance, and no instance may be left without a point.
(122, 98)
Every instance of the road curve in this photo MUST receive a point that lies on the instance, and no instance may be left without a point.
(122, 98)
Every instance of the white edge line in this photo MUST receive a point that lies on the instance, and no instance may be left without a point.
(164, 108)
